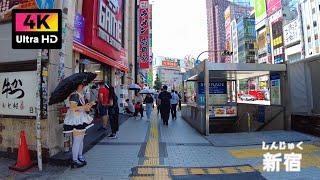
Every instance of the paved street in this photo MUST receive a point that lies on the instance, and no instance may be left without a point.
(149, 150)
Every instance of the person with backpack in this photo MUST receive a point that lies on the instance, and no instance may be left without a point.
(174, 102)
(113, 110)
(164, 100)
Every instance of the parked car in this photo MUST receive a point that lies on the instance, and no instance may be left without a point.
(259, 95)
(247, 97)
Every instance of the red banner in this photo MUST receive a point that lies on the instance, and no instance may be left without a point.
(144, 34)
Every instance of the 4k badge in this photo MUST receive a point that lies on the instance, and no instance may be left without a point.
(36, 29)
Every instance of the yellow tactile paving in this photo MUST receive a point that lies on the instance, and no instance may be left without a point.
(152, 148)
(144, 171)
(258, 152)
(214, 171)
(229, 170)
(179, 171)
(197, 171)
(245, 169)
(161, 172)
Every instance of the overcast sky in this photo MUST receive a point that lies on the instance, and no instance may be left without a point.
(179, 28)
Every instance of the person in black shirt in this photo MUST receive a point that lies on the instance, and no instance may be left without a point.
(164, 99)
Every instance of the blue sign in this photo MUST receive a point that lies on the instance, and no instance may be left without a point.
(274, 76)
(45, 4)
(218, 87)
(78, 33)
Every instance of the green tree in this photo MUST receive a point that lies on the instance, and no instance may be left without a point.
(157, 83)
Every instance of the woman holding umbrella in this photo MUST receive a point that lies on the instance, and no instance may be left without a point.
(76, 121)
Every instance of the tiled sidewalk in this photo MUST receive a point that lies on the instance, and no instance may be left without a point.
(149, 150)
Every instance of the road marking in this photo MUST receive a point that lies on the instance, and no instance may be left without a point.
(229, 170)
(214, 171)
(197, 171)
(179, 171)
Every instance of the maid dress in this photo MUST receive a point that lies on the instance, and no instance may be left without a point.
(77, 120)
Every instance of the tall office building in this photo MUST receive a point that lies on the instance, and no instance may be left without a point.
(216, 28)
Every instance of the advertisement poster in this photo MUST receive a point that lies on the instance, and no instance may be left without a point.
(6, 7)
(18, 97)
(277, 42)
(143, 42)
(273, 6)
(260, 10)
(223, 111)
(291, 32)
(78, 33)
(275, 89)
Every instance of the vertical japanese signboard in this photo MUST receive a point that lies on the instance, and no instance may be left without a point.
(277, 42)
(273, 6)
(18, 97)
(143, 42)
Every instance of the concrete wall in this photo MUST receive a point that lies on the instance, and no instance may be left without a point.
(195, 116)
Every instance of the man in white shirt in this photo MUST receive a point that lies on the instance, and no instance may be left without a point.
(174, 102)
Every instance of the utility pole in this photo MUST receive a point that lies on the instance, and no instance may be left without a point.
(38, 110)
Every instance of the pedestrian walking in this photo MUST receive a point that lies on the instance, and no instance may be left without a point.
(158, 103)
(103, 104)
(164, 100)
(180, 98)
(174, 102)
(113, 111)
(149, 105)
(138, 99)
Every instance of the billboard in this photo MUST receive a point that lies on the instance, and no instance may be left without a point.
(18, 97)
(78, 33)
(143, 31)
(104, 27)
(291, 32)
(273, 6)
(260, 10)
(169, 63)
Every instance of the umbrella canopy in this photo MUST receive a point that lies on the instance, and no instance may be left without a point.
(69, 85)
(146, 91)
(134, 87)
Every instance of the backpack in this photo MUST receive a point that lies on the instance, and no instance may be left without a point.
(165, 100)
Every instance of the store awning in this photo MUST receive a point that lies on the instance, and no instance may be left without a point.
(85, 50)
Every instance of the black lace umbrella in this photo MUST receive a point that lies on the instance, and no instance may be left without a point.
(69, 85)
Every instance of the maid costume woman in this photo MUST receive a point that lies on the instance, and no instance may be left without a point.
(77, 120)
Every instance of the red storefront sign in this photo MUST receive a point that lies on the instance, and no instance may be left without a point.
(104, 27)
(169, 64)
(144, 34)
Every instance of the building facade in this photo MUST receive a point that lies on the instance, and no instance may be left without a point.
(310, 11)
(169, 71)
(234, 11)
(216, 28)
(90, 45)
(246, 40)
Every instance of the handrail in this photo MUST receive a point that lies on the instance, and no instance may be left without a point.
(271, 119)
(248, 120)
